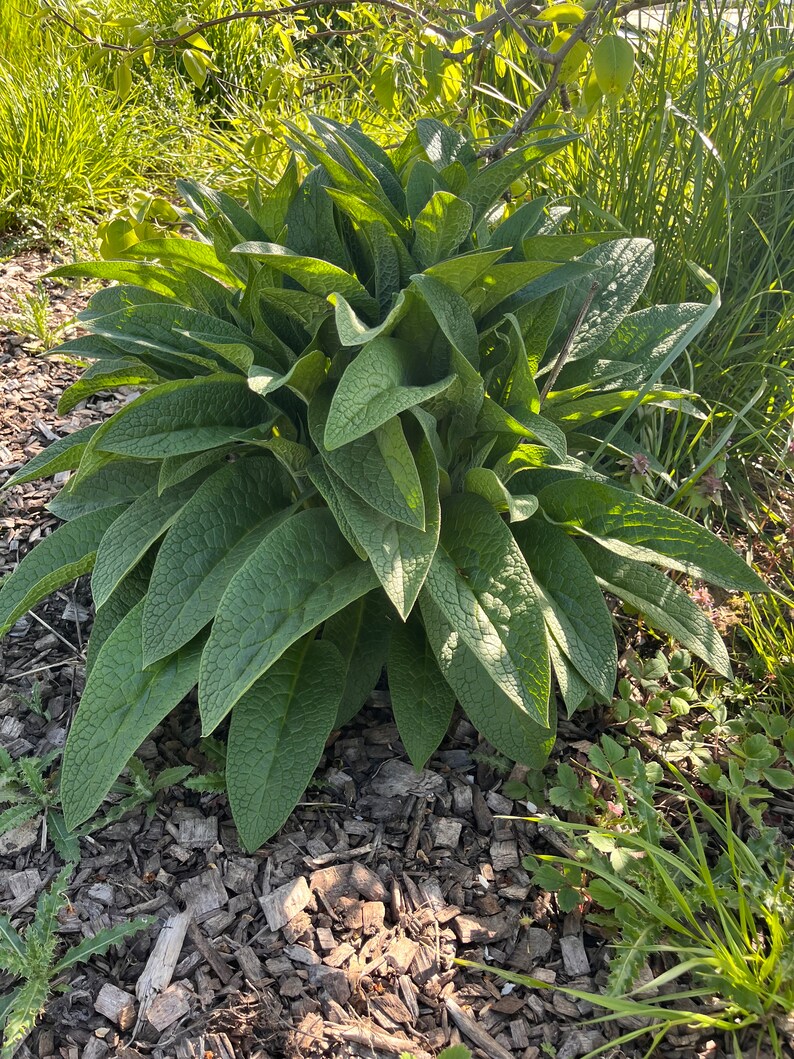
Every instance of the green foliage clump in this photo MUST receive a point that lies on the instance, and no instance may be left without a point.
(31, 957)
(373, 433)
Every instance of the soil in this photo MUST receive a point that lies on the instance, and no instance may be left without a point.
(338, 937)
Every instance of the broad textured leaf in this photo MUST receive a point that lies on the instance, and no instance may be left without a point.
(380, 467)
(133, 533)
(507, 726)
(444, 145)
(481, 583)
(523, 424)
(120, 706)
(400, 555)
(62, 455)
(421, 698)
(106, 375)
(181, 417)
(578, 411)
(56, 560)
(263, 612)
(277, 736)
(382, 381)
(353, 331)
(164, 326)
(440, 228)
(642, 341)
(115, 481)
(573, 687)
(314, 275)
(638, 528)
(573, 606)
(664, 604)
(304, 378)
(336, 495)
(493, 180)
(361, 634)
(123, 598)
(486, 483)
(451, 313)
(176, 469)
(218, 528)
(621, 269)
(465, 270)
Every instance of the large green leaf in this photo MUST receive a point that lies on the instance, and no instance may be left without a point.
(122, 599)
(421, 698)
(638, 528)
(314, 275)
(133, 533)
(277, 736)
(573, 606)
(183, 416)
(62, 455)
(361, 634)
(500, 720)
(382, 381)
(121, 704)
(380, 467)
(400, 555)
(621, 269)
(480, 582)
(218, 528)
(55, 561)
(113, 481)
(440, 228)
(664, 604)
(106, 375)
(181, 251)
(493, 180)
(264, 609)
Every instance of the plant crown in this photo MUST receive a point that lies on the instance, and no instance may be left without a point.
(378, 410)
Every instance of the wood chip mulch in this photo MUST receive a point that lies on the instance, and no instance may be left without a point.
(338, 937)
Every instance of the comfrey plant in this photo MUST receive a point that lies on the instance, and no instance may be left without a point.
(371, 434)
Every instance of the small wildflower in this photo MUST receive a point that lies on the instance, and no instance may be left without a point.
(640, 464)
(615, 808)
(702, 597)
(711, 485)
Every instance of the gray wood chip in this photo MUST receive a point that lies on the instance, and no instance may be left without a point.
(285, 902)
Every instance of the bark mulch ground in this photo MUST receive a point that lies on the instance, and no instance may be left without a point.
(338, 937)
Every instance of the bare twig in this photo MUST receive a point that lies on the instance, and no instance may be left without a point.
(566, 349)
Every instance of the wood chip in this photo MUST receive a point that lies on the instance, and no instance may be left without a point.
(375, 1039)
(470, 1028)
(164, 956)
(285, 902)
(331, 883)
(116, 1004)
(167, 1008)
(574, 956)
(250, 965)
(445, 831)
(204, 893)
(400, 954)
(198, 832)
(397, 778)
(367, 882)
(475, 930)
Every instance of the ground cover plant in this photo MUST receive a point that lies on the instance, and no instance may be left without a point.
(369, 435)
(32, 958)
(681, 889)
